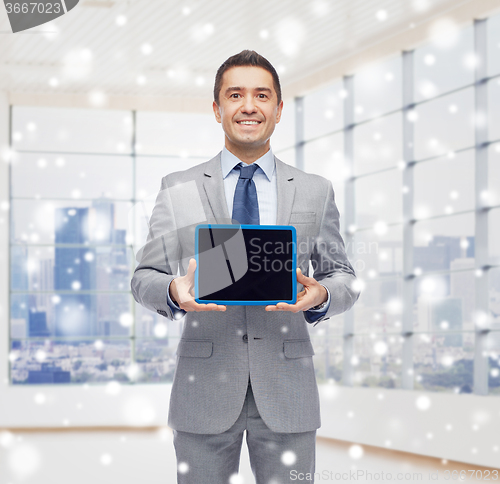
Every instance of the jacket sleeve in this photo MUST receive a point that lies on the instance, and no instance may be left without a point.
(317, 315)
(158, 260)
(329, 261)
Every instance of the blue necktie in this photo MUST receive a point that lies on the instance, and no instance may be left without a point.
(246, 204)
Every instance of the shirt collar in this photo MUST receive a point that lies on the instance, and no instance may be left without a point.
(229, 161)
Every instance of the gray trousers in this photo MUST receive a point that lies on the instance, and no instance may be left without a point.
(275, 458)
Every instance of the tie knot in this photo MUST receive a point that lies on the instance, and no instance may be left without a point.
(248, 171)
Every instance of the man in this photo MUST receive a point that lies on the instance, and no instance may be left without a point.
(245, 367)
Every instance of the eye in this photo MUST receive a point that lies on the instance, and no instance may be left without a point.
(234, 95)
(262, 96)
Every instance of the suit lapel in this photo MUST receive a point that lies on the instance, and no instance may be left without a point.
(286, 192)
(213, 185)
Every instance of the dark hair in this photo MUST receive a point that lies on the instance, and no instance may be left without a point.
(243, 59)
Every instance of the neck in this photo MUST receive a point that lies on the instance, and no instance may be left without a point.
(250, 154)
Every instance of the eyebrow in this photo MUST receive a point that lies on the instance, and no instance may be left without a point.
(258, 89)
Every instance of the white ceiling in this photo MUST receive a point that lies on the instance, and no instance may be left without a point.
(190, 39)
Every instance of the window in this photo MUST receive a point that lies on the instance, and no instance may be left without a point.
(444, 64)
(419, 236)
(378, 89)
(83, 185)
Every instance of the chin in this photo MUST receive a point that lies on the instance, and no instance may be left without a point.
(247, 142)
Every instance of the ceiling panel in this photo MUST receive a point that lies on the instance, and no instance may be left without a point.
(189, 40)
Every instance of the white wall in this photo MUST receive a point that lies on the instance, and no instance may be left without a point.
(83, 405)
(393, 419)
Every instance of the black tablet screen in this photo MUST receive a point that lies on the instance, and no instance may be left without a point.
(245, 264)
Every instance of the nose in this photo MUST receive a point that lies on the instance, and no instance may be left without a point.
(248, 106)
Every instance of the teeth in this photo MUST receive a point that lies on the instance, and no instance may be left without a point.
(248, 122)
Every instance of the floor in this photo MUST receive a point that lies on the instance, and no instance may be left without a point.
(98, 456)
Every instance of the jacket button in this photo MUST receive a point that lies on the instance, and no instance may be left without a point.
(245, 338)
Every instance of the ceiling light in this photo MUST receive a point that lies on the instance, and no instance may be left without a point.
(290, 34)
(121, 20)
(86, 55)
(321, 8)
(208, 29)
(77, 64)
(421, 5)
(50, 31)
(201, 33)
(146, 49)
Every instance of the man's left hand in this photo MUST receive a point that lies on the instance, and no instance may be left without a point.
(313, 295)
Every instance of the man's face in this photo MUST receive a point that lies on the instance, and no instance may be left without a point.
(248, 109)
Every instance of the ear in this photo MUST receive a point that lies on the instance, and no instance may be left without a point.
(278, 112)
(216, 109)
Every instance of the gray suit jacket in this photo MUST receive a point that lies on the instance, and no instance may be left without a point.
(219, 351)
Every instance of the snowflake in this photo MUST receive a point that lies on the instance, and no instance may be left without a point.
(288, 458)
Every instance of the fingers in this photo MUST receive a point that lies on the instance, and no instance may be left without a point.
(191, 267)
(210, 307)
(185, 288)
(294, 308)
(303, 304)
(187, 293)
(192, 305)
(301, 277)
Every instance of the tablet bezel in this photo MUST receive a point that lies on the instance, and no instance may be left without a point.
(293, 274)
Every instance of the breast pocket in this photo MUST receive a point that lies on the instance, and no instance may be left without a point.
(302, 218)
(305, 225)
(195, 348)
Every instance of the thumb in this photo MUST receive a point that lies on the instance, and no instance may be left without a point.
(191, 266)
(300, 276)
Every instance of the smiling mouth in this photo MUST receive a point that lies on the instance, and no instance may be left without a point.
(248, 123)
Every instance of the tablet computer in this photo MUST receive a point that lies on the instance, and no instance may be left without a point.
(245, 264)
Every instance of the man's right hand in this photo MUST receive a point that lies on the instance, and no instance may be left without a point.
(181, 291)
